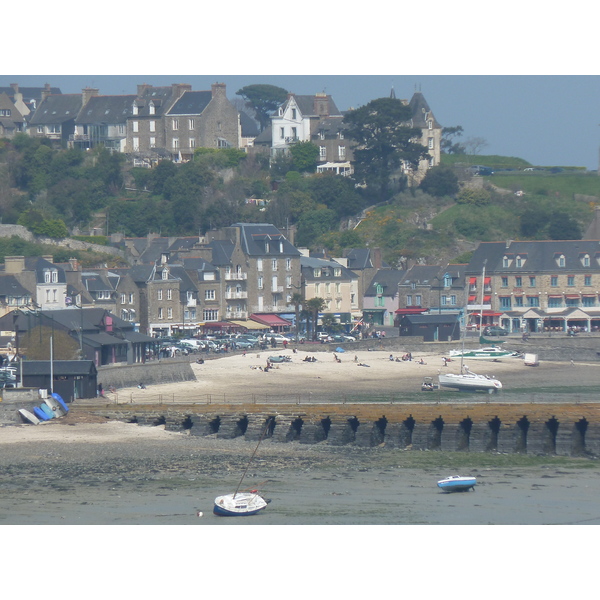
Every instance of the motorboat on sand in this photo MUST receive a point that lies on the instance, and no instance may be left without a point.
(456, 483)
(486, 353)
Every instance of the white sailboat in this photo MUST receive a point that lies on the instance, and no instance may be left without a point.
(466, 379)
(244, 503)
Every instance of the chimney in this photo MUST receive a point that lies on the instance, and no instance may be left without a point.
(218, 89)
(180, 88)
(14, 264)
(74, 264)
(46, 91)
(87, 93)
(141, 89)
(48, 257)
(376, 258)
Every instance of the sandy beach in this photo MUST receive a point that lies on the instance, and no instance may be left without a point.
(239, 377)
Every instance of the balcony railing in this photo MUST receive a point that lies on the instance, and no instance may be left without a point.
(236, 295)
(237, 276)
(236, 314)
(277, 289)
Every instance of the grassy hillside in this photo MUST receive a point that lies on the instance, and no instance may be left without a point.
(415, 226)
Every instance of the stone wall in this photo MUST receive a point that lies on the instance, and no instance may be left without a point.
(150, 373)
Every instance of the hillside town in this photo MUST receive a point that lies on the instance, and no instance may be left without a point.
(254, 277)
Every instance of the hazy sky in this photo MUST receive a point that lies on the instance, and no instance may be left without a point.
(547, 120)
(522, 78)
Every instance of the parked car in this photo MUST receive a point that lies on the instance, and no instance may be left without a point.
(495, 330)
(244, 344)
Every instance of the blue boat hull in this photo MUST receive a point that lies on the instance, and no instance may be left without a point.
(457, 484)
(222, 512)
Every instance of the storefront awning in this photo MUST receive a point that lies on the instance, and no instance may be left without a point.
(471, 299)
(249, 325)
(219, 325)
(487, 281)
(270, 319)
(472, 280)
(572, 296)
(487, 299)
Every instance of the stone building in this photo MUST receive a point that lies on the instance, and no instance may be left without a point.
(548, 285)
(201, 119)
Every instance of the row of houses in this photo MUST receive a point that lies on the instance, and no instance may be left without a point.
(170, 122)
(249, 274)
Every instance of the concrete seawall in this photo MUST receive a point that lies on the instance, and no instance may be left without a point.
(540, 429)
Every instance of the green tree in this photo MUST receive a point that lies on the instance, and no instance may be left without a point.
(264, 100)
(475, 196)
(384, 140)
(448, 145)
(304, 157)
(563, 227)
(314, 306)
(440, 181)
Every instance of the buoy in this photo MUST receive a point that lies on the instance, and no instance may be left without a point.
(200, 513)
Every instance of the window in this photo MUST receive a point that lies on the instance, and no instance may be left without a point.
(505, 262)
(555, 302)
(152, 126)
(571, 280)
(274, 264)
(169, 313)
(135, 126)
(430, 143)
(453, 300)
(209, 294)
(504, 282)
(571, 302)
(160, 313)
(429, 124)
(190, 123)
(317, 289)
(165, 274)
(274, 284)
(175, 124)
(294, 132)
(532, 281)
(518, 282)
(123, 298)
(294, 114)
(316, 272)
(533, 301)
(281, 132)
(4, 112)
(152, 142)
(561, 260)
(131, 298)
(586, 260)
(518, 300)
(159, 295)
(321, 134)
(341, 151)
(554, 281)
(175, 143)
(418, 300)
(288, 264)
(587, 280)
(151, 109)
(409, 300)
(322, 152)
(505, 301)
(134, 109)
(288, 281)
(210, 315)
(261, 283)
(338, 289)
(337, 272)
(169, 294)
(519, 262)
(589, 301)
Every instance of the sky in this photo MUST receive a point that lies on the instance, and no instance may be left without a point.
(524, 80)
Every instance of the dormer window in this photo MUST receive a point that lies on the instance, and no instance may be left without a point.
(134, 109)
(519, 262)
(585, 260)
(506, 261)
(430, 124)
(165, 274)
(151, 108)
(337, 272)
(560, 261)
(294, 114)
(316, 272)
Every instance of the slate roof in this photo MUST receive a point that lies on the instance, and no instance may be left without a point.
(161, 97)
(57, 109)
(106, 109)
(249, 125)
(10, 286)
(39, 265)
(540, 256)
(191, 103)
(308, 264)
(306, 105)
(421, 275)
(421, 112)
(389, 279)
(360, 258)
(59, 367)
(221, 252)
(253, 238)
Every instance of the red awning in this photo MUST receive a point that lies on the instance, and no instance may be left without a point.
(486, 313)
(473, 280)
(487, 281)
(572, 296)
(471, 299)
(487, 299)
(270, 319)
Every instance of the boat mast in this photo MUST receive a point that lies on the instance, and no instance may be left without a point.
(481, 303)
(260, 439)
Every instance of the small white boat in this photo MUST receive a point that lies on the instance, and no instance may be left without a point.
(242, 504)
(487, 353)
(467, 380)
(456, 483)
